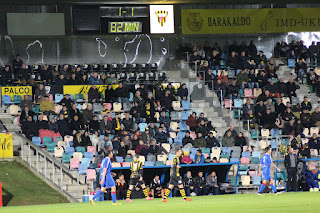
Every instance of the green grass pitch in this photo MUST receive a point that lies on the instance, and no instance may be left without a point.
(286, 202)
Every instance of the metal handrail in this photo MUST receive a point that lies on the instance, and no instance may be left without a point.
(55, 163)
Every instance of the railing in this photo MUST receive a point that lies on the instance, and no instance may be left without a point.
(26, 157)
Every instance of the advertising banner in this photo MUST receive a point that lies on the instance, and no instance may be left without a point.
(6, 145)
(16, 90)
(84, 89)
(234, 21)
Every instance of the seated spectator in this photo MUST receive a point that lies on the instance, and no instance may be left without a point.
(53, 125)
(240, 140)
(291, 88)
(279, 107)
(94, 79)
(233, 90)
(270, 106)
(296, 143)
(195, 60)
(192, 122)
(224, 79)
(25, 113)
(269, 120)
(250, 121)
(87, 115)
(94, 96)
(211, 141)
(74, 111)
(288, 115)
(301, 70)
(200, 184)
(305, 119)
(161, 136)
(40, 93)
(94, 124)
(122, 94)
(127, 141)
(138, 98)
(243, 79)
(273, 89)
(306, 104)
(188, 183)
(153, 130)
(135, 141)
(182, 91)
(220, 89)
(166, 101)
(26, 102)
(264, 96)
(232, 61)
(148, 113)
(315, 117)
(63, 126)
(261, 60)
(228, 140)
(75, 124)
(96, 140)
(232, 130)
(65, 112)
(203, 128)
(109, 94)
(271, 69)
(115, 142)
(262, 78)
(252, 79)
(314, 142)
(156, 188)
(111, 79)
(199, 157)
(212, 184)
(121, 187)
(187, 139)
(146, 136)
(289, 128)
(66, 101)
(28, 127)
(260, 110)
(105, 125)
(73, 80)
(186, 159)
(282, 87)
(46, 74)
(47, 106)
(61, 80)
(142, 149)
(199, 142)
(41, 124)
(153, 148)
(77, 140)
(244, 60)
(248, 106)
(215, 59)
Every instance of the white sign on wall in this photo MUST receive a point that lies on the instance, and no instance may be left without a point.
(161, 19)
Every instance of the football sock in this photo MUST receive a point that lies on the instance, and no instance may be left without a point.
(263, 185)
(128, 193)
(167, 193)
(145, 192)
(97, 195)
(273, 188)
(183, 193)
(114, 197)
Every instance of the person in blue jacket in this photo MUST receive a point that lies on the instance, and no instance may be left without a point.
(199, 158)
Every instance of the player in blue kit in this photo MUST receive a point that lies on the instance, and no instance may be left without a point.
(106, 179)
(265, 164)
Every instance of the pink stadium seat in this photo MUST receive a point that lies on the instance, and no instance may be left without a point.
(245, 160)
(228, 103)
(74, 163)
(109, 106)
(126, 164)
(91, 174)
(248, 93)
(92, 150)
(252, 172)
(205, 155)
(193, 135)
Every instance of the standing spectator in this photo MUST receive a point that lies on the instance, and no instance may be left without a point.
(291, 162)
(16, 63)
(156, 187)
(233, 90)
(200, 184)
(188, 183)
(220, 89)
(121, 187)
(212, 184)
(252, 49)
(301, 70)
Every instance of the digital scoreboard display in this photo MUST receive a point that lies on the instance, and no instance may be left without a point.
(125, 27)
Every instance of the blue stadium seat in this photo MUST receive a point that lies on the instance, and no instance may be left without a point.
(159, 163)
(273, 143)
(246, 154)
(6, 100)
(226, 150)
(119, 159)
(170, 157)
(17, 99)
(69, 150)
(256, 154)
(234, 160)
(50, 147)
(148, 163)
(256, 180)
(142, 126)
(181, 135)
(47, 140)
(88, 155)
(81, 149)
(238, 103)
(291, 63)
(183, 126)
(36, 141)
(185, 104)
(82, 169)
(58, 97)
(184, 115)
(66, 157)
(86, 161)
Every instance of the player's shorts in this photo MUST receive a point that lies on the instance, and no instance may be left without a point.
(134, 181)
(266, 176)
(109, 182)
(175, 180)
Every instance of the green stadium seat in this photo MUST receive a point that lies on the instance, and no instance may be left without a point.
(66, 157)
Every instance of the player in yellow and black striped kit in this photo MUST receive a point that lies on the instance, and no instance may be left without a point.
(175, 178)
(136, 177)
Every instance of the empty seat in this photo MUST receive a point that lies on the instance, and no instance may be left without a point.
(245, 180)
(82, 169)
(234, 160)
(58, 152)
(265, 133)
(91, 149)
(166, 146)
(74, 163)
(88, 155)
(57, 138)
(248, 93)
(142, 159)
(66, 157)
(91, 174)
(224, 160)
(148, 163)
(160, 163)
(174, 126)
(77, 155)
(86, 161)
(162, 158)
(116, 164)
(126, 164)
(119, 159)
(246, 154)
(69, 150)
(245, 160)
(117, 107)
(185, 104)
(256, 180)
(36, 141)
(81, 149)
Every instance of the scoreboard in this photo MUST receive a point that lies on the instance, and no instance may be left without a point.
(128, 19)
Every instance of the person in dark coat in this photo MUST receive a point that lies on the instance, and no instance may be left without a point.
(123, 149)
(291, 88)
(41, 124)
(6, 76)
(94, 96)
(66, 101)
(187, 139)
(28, 127)
(109, 94)
(75, 123)
(63, 126)
(211, 141)
(240, 140)
(182, 91)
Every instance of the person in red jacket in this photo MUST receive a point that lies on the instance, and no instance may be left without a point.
(142, 149)
(192, 122)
